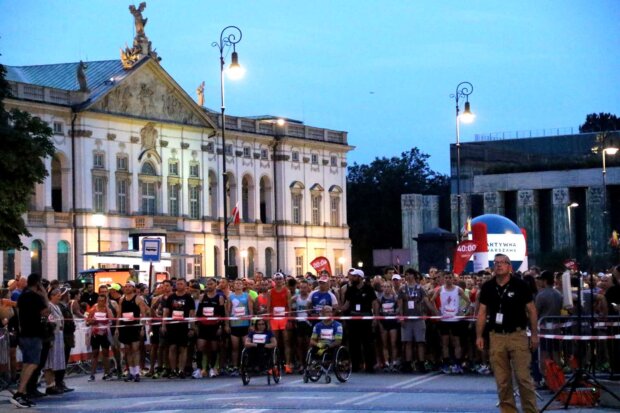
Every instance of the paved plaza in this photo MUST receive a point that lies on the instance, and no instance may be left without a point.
(385, 393)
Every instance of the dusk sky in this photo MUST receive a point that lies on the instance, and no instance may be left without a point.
(381, 70)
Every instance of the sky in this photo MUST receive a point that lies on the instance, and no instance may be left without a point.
(381, 70)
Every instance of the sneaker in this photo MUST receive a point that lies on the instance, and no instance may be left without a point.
(212, 373)
(20, 400)
(149, 373)
(91, 378)
(234, 372)
(156, 375)
(445, 369)
(288, 369)
(53, 391)
(35, 394)
(65, 389)
(106, 376)
(136, 378)
(483, 370)
(387, 368)
(129, 378)
(456, 369)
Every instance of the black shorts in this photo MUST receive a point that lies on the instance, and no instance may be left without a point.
(239, 331)
(154, 336)
(208, 332)
(303, 329)
(129, 334)
(176, 335)
(99, 341)
(390, 324)
(454, 328)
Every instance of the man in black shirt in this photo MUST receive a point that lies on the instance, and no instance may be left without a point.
(32, 309)
(506, 306)
(358, 301)
(180, 305)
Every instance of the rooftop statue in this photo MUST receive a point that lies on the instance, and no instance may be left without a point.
(139, 21)
(200, 91)
(81, 77)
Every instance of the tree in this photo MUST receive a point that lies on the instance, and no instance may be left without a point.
(600, 122)
(25, 144)
(373, 198)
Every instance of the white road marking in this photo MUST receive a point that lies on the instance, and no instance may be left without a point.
(413, 380)
(322, 397)
(422, 381)
(372, 399)
(356, 398)
(233, 397)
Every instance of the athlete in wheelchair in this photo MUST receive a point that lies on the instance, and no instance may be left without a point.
(260, 354)
(326, 354)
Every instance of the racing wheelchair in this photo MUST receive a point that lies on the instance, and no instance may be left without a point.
(336, 360)
(251, 368)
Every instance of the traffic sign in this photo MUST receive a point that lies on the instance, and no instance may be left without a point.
(151, 249)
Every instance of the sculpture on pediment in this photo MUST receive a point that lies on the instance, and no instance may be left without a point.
(148, 137)
(81, 77)
(200, 91)
(139, 21)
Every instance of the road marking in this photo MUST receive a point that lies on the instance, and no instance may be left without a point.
(232, 397)
(372, 399)
(357, 398)
(135, 404)
(413, 380)
(304, 397)
(422, 381)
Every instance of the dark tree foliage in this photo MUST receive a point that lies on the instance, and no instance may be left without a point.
(24, 143)
(600, 122)
(373, 199)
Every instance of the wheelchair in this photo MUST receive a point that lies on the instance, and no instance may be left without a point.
(335, 360)
(249, 368)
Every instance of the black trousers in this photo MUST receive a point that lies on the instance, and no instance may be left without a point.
(361, 344)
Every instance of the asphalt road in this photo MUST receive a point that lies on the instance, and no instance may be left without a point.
(385, 393)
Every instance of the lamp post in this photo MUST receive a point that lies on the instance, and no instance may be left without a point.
(571, 243)
(98, 220)
(463, 90)
(606, 145)
(244, 255)
(341, 261)
(230, 36)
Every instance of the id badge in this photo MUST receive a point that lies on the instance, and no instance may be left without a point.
(358, 307)
(499, 319)
(411, 304)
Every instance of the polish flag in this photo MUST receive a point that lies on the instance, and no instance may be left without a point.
(235, 217)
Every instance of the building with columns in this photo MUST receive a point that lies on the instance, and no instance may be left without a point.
(533, 182)
(132, 145)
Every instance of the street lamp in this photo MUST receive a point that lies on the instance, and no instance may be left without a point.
(244, 255)
(607, 144)
(341, 261)
(569, 207)
(230, 36)
(360, 264)
(98, 221)
(463, 90)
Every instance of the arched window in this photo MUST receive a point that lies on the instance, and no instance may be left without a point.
(266, 196)
(247, 199)
(63, 261)
(316, 197)
(297, 202)
(232, 256)
(335, 194)
(36, 257)
(268, 262)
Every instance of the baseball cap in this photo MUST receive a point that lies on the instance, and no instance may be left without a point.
(115, 287)
(396, 277)
(133, 284)
(278, 275)
(357, 272)
(323, 279)
(64, 290)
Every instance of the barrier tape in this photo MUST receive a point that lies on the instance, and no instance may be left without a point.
(578, 338)
(552, 326)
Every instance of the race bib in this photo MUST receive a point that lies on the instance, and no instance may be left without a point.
(278, 311)
(101, 316)
(239, 311)
(388, 307)
(128, 316)
(411, 304)
(327, 334)
(208, 311)
(259, 338)
(302, 316)
(177, 315)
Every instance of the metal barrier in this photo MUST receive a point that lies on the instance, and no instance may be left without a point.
(595, 344)
(5, 359)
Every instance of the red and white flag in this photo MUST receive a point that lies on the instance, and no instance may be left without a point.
(235, 217)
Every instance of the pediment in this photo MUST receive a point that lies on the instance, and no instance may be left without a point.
(150, 93)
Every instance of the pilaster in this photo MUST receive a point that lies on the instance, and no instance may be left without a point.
(597, 234)
(527, 217)
(560, 230)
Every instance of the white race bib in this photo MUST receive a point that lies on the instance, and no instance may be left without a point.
(177, 315)
(411, 304)
(278, 311)
(388, 307)
(327, 334)
(101, 316)
(208, 311)
(239, 311)
(128, 316)
(259, 338)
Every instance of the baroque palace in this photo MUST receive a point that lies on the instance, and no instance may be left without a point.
(134, 147)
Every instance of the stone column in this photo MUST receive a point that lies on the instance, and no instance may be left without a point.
(596, 232)
(465, 208)
(493, 203)
(412, 223)
(430, 212)
(561, 235)
(527, 217)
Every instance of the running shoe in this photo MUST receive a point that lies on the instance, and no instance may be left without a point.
(129, 378)
(106, 376)
(445, 369)
(20, 400)
(91, 378)
(212, 373)
(234, 372)
(136, 378)
(456, 369)
(288, 369)
(484, 370)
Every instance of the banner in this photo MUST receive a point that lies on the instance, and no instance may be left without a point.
(321, 264)
(480, 236)
(462, 254)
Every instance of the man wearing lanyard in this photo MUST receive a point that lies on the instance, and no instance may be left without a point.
(506, 305)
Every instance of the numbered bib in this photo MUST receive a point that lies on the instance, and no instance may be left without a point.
(327, 334)
(177, 315)
(239, 311)
(388, 308)
(101, 316)
(259, 338)
(279, 311)
(128, 316)
(208, 311)
(411, 304)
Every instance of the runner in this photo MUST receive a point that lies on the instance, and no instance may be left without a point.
(209, 332)
(278, 304)
(387, 305)
(130, 332)
(300, 303)
(159, 346)
(179, 306)
(99, 321)
(239, 305)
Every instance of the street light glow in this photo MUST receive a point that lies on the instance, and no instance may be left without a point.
(244, 253)
(611, 150)
(235, 70)
(98, 220)
(468, 116)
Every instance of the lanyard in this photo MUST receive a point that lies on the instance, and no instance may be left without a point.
(501, 296)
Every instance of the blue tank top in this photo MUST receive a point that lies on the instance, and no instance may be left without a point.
(239, 307)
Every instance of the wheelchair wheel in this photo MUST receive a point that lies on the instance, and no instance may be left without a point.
(276, 371)
(244, 367)
(313, 370)
(342, 364)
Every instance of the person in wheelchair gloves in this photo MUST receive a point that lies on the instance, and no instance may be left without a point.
(326, 335)
(259, 344)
